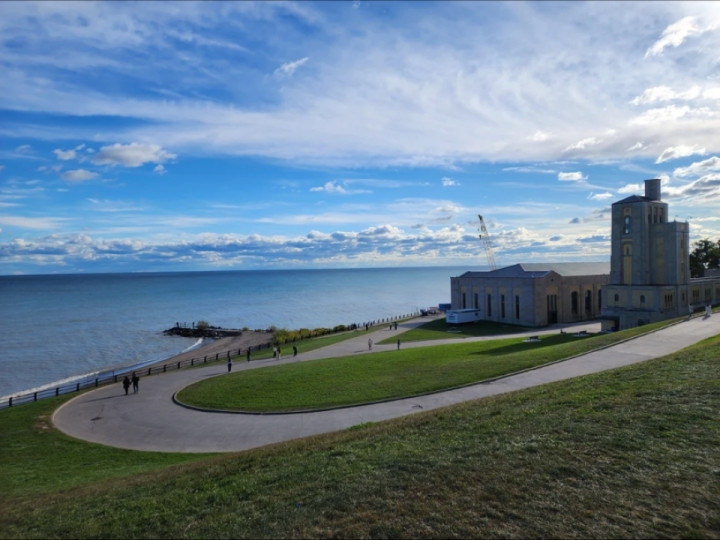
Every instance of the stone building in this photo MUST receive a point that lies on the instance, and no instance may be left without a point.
(647, 279)
(650, 265)
(532, 294)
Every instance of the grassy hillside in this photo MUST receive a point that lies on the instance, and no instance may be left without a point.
(632, 452)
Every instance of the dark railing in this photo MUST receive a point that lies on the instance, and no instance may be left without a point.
(158, 367)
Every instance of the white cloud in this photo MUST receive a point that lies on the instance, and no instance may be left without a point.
(636, 146)
(159, 169)
(700, 167)
(289, 68)
(663, 93)
(33, 223)
(64, 155)
(79, 175)
(674, 35)
(329, 187)
(131, 155)
(447, 182)
(600, 196)
(631, 188)
(661, 115)
(571, 176)
(680, 151)
(582, 144)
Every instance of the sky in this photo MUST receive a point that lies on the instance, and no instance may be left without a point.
(163, 136)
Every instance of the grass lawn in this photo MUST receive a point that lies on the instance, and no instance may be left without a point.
(627, 453)
(337, 382)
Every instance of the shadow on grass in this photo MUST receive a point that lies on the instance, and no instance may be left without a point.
(547, 340)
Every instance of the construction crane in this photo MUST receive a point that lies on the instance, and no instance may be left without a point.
(485, 237)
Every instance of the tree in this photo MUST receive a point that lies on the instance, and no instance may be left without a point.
(705, 256)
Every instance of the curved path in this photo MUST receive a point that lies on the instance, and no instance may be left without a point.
(150, 420)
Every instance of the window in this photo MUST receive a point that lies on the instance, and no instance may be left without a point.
(574, 299)
(642, 299)
(626, 230)
(489, 305)
(476, 305)
(517, 307)
(502, 306)
(588, 302)
(464, 301)
(617, 298)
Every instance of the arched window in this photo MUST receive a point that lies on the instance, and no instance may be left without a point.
(574, 299)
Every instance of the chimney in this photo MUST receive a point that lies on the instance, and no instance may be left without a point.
(652, 189)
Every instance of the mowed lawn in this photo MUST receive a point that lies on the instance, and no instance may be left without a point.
(337, 382)
(631, 452)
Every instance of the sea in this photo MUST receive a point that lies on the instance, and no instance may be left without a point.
(56, 329)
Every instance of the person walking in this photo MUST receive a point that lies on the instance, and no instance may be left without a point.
(294, 350)
(369, 344)
(229, 364)
(135, 382)
(398, 344)
(248, 354)
(126, 384)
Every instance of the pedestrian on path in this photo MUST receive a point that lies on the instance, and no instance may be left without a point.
(294, 350)
(135, 382)
(398, 344)
(126, 384)
(229, 364)
(369, 344)
(248, 354)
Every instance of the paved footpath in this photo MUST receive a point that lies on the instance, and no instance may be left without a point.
(150, 420)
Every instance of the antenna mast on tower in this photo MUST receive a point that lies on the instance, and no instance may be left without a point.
(485, 237)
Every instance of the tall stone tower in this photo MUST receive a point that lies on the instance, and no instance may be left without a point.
(649, 261)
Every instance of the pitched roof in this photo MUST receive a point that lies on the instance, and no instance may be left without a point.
(537, 270)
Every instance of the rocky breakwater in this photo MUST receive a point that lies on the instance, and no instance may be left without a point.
(202, 331)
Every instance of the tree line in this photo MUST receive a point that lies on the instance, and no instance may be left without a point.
(705, 256)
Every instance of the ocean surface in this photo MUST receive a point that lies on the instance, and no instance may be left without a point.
(56, 328)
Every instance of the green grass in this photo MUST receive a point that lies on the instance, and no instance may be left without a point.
(37, 459)
(345, 381)
(627, 453)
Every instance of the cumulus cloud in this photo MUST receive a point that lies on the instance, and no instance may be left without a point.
(447, 182)
(289, 68)
(330, 187)
(131, 155)
(600, 196)
(64, 155)
(680, 151)
(674, 35)
(79, 175)
(159, 169)
(571, 176)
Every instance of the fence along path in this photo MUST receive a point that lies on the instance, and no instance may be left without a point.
(115, 375)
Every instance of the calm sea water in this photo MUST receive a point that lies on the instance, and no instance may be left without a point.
(57, 327)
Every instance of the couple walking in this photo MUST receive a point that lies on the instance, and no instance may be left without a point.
(135, 383)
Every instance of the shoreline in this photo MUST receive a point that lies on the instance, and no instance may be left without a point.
(248, 338)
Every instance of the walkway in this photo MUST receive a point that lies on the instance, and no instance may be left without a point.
(150, 420)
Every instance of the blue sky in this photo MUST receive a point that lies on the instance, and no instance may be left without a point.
(238, 135)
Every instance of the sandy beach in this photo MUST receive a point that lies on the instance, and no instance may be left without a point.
(220, 346)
